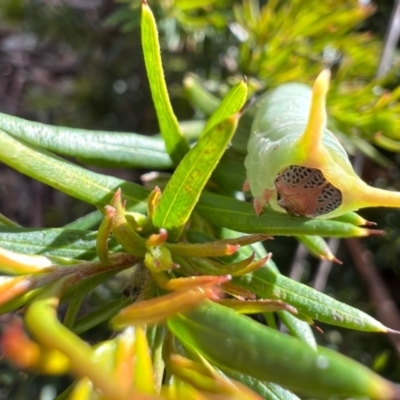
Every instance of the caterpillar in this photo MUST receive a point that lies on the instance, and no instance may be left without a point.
(296, 165)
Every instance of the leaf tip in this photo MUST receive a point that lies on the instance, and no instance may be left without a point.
(157, 239)
(110, 211)
(370, 223)
(374, 232)
(391, 331)
(266, 237)
(232, 248)
(336, 260)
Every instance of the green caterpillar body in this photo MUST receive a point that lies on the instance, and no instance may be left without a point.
(296, 165)
(280, 121)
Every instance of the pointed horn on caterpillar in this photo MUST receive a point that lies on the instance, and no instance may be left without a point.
(311, 139)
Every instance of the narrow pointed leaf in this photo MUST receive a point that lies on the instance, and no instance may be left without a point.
(256, 306)
(100, 315)
(175, 142)
(19, 301)
(298, 328)
(69, 243)
(268, 390)
(231, 104)
(19, 264)
(106, 149)
(13, 287)
(73, 309)
(201, 99)
(235, 341)
(240, 216)
(308, 301)
(353, 218)
(103, 234)
(210, 249)
(318, 247)
(184, 188)
(78, 182)
(83, 286)
(7, 221)
(158, 309)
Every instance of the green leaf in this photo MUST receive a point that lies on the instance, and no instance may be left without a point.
(255, 306)
(231, 104)
(101, 148)
(87, 284)
(298, 328)
(7, 221)
(200, 98)
(280, 393)
(269, 284)
(19, 301)
(175, 142)
(102, 314)
(257, 248)
(352, 218)
(93, 188)
(241, 344)
(73, 309)
(69, 243)
(185, 186)
(318, 247)
(207, 103)
(239, 216)
(268, 390)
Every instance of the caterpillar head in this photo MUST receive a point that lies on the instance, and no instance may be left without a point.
(305, 191)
